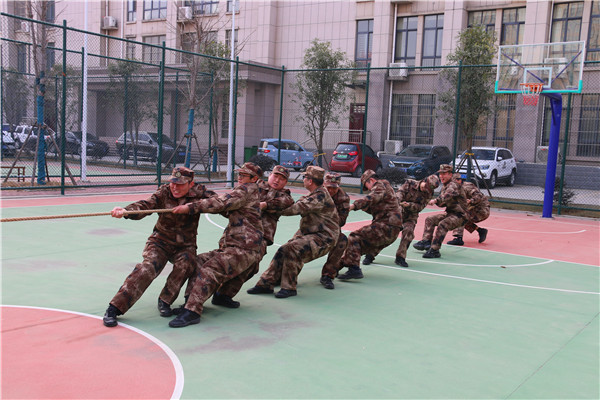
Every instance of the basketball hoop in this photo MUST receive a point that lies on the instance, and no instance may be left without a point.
(531, 93)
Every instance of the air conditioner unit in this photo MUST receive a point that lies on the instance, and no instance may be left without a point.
(185, 13)
(393, 146)
(109, 22)
(24, 26)
(398, 71)
(541, 155)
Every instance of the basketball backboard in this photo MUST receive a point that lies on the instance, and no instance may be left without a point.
(558, 66)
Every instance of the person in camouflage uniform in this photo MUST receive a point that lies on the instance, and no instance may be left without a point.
(318, 233)
(451, 197)
(476, 207)
(240, 246)
(274, 198)
(384, 229)
(173, 239)
(342, 204)
(413, 196)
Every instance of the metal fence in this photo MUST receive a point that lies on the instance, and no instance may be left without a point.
(175, 107)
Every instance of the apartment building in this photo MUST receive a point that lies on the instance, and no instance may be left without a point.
(401, 106)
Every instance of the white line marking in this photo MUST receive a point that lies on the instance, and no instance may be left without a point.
(485, 281)
(552, 233)
(179, 376)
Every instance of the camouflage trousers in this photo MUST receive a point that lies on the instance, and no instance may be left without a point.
(234, 285)
(215, 269)
(370, 239)
(444, 222)
(332, 265)
(408, 234)
(472, 218)
(156, 254)
(291, 257)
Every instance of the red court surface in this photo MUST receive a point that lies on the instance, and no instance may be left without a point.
(77, 356)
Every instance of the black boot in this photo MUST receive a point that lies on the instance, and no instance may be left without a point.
(401, 262)
(327, 282)
(422, 245)
(482, 234)
(457, 241)
(368, 259)
(110, 316)
(186, 318)
(284, 293)
(353, 272)
(219, 299)
(259, 290)
(179, 310)
(431, 253)
(164, 309)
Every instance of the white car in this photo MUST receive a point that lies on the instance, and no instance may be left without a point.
(495, 164)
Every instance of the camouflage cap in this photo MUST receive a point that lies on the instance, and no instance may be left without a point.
(445, 168)
(432, 181)
(250, 169)
(332, 179)
(368, 174)
(314, 172)
(281, 170)
(181, 175)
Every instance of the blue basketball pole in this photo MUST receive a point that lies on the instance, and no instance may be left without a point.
(556, 104)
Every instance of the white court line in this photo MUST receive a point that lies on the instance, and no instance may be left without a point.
(179, 376)
(550, 233)
(485, 281)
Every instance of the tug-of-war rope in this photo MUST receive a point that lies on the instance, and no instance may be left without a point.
(158, 211)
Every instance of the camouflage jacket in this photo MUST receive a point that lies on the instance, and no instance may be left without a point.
(479, 201)
(318, 212)
(277, 201)
(241, 207)
(177, 229)
(411, 193)
(342, 204)
(382, 204)
(451, 196)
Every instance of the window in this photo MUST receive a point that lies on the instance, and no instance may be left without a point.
(588, 139)
(203, 7)
(401, 123)
(131, 10)
(230, 5)
(22, 58)
(364, 42)
(155, 9)
(406, 41)
(50, 10)
(50, 59)
(432, 40)
(487, 19)
(153, 54)
(593, 50)
(20, 10)
(228, 39)
(566, 22)
(504, 120)
(425, 118)
(513, 26)
(130, 48)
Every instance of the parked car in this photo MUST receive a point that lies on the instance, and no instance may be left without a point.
(20, 136)
(496, 164)
(147, 147)
(291, 153)
(9, 147)
(347, 157)
(421, 160)
(95, 148)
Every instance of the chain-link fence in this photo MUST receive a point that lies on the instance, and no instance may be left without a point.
(141, 102)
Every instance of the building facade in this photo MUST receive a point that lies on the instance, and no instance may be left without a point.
(401, 106)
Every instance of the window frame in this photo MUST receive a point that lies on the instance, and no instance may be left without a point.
(151, 54)
(520, 25)
(402, 46)
(131, 10)
(425, 119)
(593, 53)
(155, 10)
(438, 36)
(488, 25)
(364, 35)
(504, 121)
(588, 127)
(203, 7)
(402, 112)
(564, 34)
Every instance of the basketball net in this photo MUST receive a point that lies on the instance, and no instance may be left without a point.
(531, 93)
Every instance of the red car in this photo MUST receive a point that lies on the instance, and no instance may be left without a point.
(347, 157)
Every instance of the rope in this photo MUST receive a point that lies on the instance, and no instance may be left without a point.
(158, 211)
